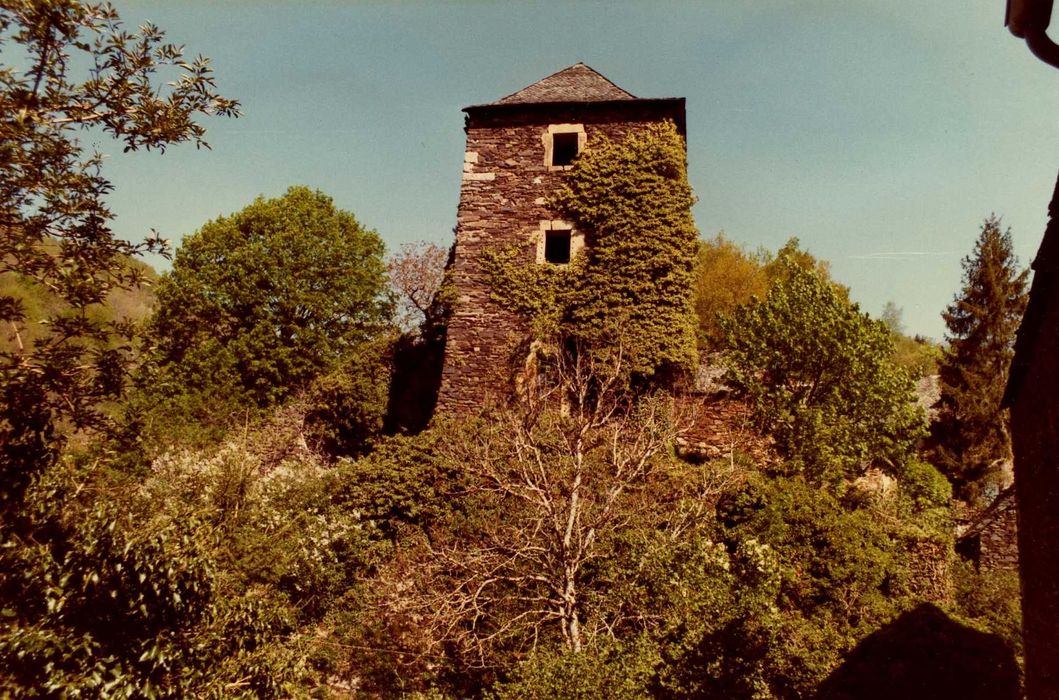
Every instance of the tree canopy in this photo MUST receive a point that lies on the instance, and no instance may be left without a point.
(971, 437)
(74, 67)
(820, 376)
(54, 222)
(262, 301)
(725, 276)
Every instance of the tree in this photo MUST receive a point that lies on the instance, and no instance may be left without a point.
(820, 376)
(548, 491)
(725, 277)
(261, 302)
(54, 222)
(971, 437)
(417, 275)
(891, 318)
(777, 267)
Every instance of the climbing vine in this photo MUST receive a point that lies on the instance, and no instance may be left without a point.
(630, 288)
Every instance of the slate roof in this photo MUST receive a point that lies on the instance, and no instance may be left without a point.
(578, 83)
(1004, 501)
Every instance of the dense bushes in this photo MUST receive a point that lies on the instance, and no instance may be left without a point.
(104, 597)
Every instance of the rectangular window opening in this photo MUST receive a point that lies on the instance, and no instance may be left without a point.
(564, 148)
(557, 246)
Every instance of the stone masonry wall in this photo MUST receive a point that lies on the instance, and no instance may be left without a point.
(506, 183)
(999, 539)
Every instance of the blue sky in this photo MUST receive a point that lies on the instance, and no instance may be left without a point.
(880, 133)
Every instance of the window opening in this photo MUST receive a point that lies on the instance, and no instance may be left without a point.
(557, 246)
(564, 148)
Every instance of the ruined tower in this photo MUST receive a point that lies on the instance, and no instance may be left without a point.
(517, 151)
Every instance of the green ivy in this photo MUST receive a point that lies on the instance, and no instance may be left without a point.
(630, 288)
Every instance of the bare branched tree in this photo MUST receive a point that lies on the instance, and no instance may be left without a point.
(417, 272)
(552, 478)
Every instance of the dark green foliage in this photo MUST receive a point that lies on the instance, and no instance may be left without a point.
(991, 600)
(98, 597)
(845, 569)
(829, 551)
(607, 672)
(402, 482)
(821, 378)
(925, 485)
(261, 302)
(711, 613)
(75, 66)
(630, 290)
(970, 437)
(346, 406)
(103, 599)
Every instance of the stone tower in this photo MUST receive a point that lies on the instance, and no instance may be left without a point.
(517, 151)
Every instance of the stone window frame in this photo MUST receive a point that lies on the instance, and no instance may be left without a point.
(548, 138)
(577, 239)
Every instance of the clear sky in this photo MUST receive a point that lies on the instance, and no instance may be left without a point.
(880, 133)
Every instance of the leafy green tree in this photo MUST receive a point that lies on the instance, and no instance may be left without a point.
(971, 437)
(261, 302)
(821, 379)
(54, 222)
(725, 277)
(777, 266)
(346, 405)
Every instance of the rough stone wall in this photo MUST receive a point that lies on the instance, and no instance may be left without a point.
(506, 183)
(999, 539)
(720, 426)
(990, 539)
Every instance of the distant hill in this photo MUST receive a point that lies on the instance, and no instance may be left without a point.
(40, 303)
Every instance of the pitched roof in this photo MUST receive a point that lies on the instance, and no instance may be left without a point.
(578, 83)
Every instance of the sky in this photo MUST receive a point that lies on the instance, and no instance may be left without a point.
(881, 133)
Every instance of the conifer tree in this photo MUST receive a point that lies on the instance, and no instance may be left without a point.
(970, 437)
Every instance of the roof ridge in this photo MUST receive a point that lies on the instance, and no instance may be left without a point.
(540, 88)
(579, 63)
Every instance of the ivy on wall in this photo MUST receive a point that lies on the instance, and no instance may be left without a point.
(629, 290)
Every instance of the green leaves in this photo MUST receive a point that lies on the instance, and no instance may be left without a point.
(821, 378)
(970, 439)
(261, 302)
(629, 291)
(114, 597)
(633, 201)
(54, 222)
